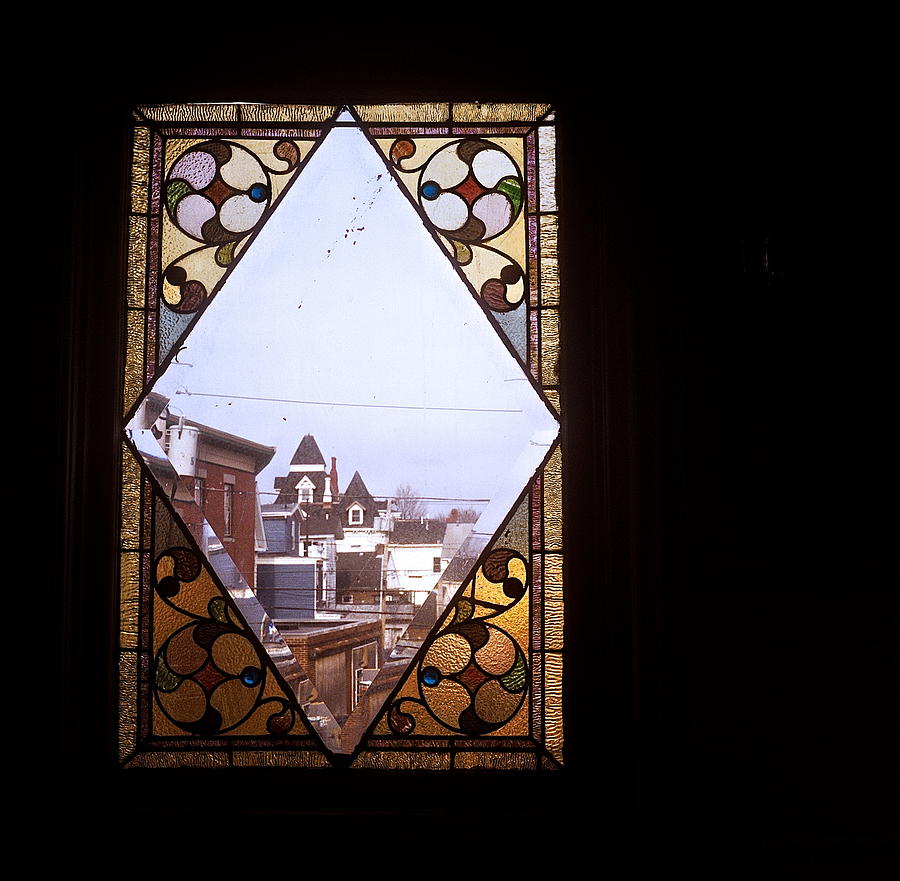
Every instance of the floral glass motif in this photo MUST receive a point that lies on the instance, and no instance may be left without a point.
(202, 680)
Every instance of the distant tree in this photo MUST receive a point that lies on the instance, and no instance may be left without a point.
(409, 505)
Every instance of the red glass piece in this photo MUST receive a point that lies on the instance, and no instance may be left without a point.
(472, 677)
(469, 189)
(208, 676)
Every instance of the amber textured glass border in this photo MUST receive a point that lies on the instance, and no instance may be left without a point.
(537, 743)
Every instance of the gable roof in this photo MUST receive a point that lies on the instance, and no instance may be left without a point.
(320, 521)
(308, 452)
(410, 532)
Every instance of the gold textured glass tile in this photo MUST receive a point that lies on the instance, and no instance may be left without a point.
(191, 112)
(553, 501)
(131, 499)
(129, 587)
(413, 759)
(140, 168)
(549, 261)
(553, 601)
(287, 112)
(127, 704)
(506, 761)
(488, 112)
(280, 759)
(137, 261)
(256, 723)
(134, 359)
(553, 670)
(549, 346)
(553, 398)
(553, 569)
(180, 760)
(547, 167)
(431, 112)
(537, 598)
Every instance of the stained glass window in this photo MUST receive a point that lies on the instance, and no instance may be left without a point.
(341, 531)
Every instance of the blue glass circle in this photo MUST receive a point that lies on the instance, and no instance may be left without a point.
(251, 676)
(430, 190)
(431, 676)
(258, 192)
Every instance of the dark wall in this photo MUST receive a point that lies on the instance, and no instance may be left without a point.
(730, 489)
(766, 608)
(286, 590)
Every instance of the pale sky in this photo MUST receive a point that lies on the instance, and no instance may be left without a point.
(345, 297)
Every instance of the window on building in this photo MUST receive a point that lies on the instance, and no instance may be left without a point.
(228, 509)
(199, 491)
(436, 564)
(305, 491)
(355, 516)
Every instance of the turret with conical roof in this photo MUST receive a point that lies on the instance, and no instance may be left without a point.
(357, 506)
(306, 478)
(308, 456)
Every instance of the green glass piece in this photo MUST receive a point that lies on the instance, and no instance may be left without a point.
(218, 610)
(225, 253)
(463, 253)
(515, 680)
(166, 680)
(511, 187)
(174, 191)
(464, 609)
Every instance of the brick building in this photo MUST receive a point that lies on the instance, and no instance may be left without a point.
(217, 482)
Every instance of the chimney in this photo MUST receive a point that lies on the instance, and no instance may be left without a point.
(334, 477)
(453, 516)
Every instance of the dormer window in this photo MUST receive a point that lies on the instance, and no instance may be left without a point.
(305, 490)
(355, 515)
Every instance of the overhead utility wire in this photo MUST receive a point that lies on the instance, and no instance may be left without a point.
(376, 496)
(345, 403)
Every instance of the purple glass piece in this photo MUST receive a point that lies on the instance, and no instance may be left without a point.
(150, 369)
(230, 131)
(531, 171)
(493, 130)
(533, 276)
(281, 133)
(153, 274)
(156, 174)
(390, 130)
(537, 498)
